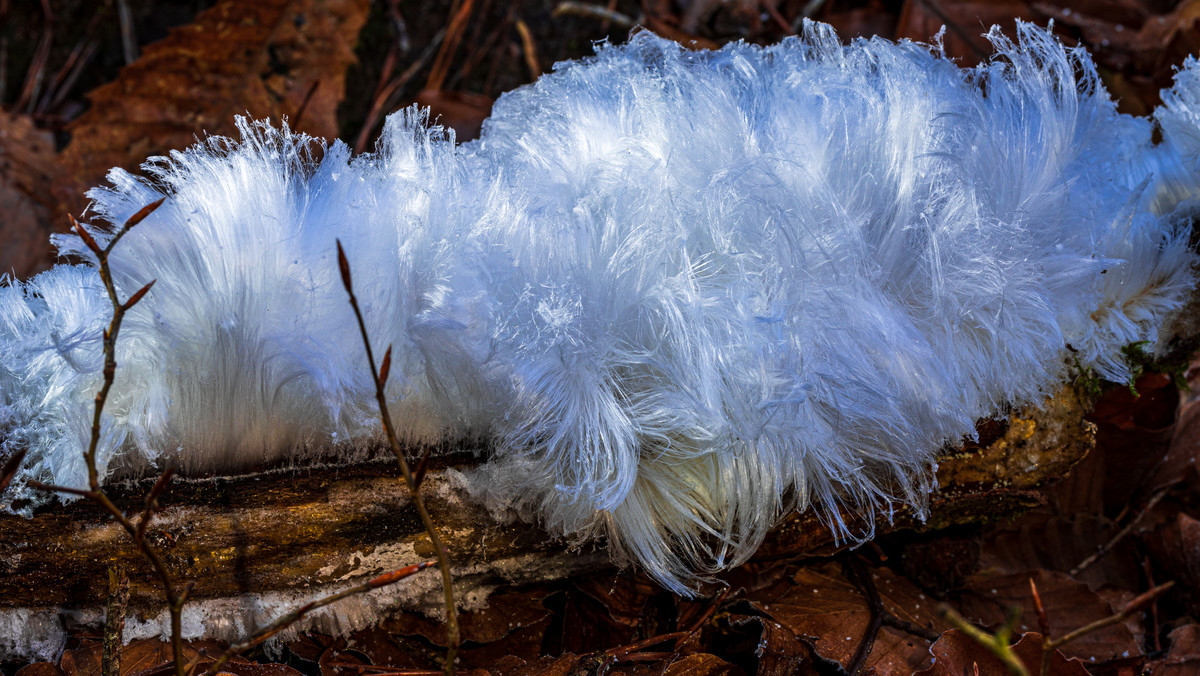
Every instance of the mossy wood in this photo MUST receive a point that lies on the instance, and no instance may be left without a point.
(301, 529)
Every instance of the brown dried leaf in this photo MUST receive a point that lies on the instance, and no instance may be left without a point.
(244, 668)
(506, 612)
(826, 608)
(543, 666)
(40, 669)
(1069, 605)
(384, 648)
(1044, 538)
(29, 209)
(779, 651)
(956, 654)
(310, 646)
(1177, 29)
(703, 664)
(965, 22)
(272, 58)
(138, 656)
(1180, 465)
(941, 564)
(342, 662)
(1176, 547)
(1183, 659)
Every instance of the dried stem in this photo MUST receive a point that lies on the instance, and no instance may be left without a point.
(1120, 535)
(137, 530)
(443, 559)
(258, 637)
(1137, 604)
(10, 469)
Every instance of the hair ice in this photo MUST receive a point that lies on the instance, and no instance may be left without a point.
(679, 293)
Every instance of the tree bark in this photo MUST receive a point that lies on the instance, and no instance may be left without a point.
(309, 528)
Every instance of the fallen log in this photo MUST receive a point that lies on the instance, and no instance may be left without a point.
(254, 544)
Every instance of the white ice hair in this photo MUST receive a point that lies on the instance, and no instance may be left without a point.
(678, 293)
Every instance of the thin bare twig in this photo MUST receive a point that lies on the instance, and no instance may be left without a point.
(587, 9)
(454, 33)
(529, 50)
(862, 579)
(452, 635)
(175, 597)
(128, 41)
(1120, 535)
(1130, 608)
(10, 469)
(387, 91)
(283, 621)
(37, 65)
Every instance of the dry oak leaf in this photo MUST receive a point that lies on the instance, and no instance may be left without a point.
(1175, 546)
(1069, 605)
(137, 656)
(833, 614)
(29, 176)
(1184, 657)
(779, 651)
(271, 58)
(956, 654)
(701, 664)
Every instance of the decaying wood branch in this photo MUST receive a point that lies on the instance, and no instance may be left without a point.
(306, 529)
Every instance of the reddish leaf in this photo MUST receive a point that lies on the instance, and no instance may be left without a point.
(310, 646)
(384, 649)
(1182, 461)
(1045, 539)
(956, 654)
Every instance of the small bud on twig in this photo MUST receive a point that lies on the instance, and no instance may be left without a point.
(399, 574)
(422, 464)
(344, 267)
(386, 366)
(144, 212)
(137, 296)
(84, 235)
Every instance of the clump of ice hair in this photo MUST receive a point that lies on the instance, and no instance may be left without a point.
(679, 293)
